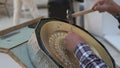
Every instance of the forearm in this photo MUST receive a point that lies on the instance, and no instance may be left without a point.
(87, 58)
(115, 10)
(116, 14)
(109, 6)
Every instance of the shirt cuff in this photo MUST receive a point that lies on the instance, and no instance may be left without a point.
(82, 51)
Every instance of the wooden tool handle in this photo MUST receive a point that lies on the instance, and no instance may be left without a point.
(82, 12)
(13, 28)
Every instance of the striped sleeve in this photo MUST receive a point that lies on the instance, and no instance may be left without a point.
(87, 58)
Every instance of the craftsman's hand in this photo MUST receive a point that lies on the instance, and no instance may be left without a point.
(106, 5)
(71, 41)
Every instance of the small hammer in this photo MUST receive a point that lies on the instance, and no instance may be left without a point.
(71, 15)
(82, 12)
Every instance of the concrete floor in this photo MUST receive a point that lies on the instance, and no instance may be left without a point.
(6, 22)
